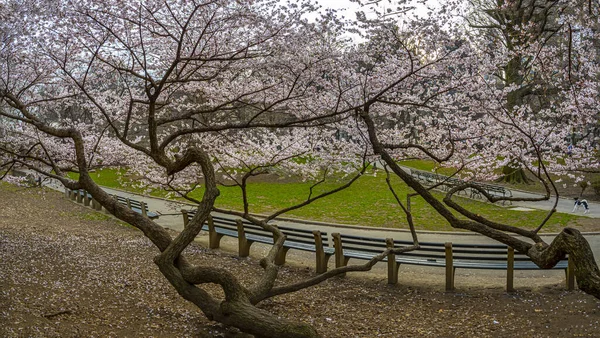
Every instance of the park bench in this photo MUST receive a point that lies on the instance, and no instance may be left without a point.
(494, 190)
(447, 255)
(432, 178)
(81, 196)
(138, 206)
(450, 182)
(425, 176)
(498, 190)
(248, 233)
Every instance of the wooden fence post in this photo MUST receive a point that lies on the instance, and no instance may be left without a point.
(214, 238)
(86, 198)
(570, 275)
(391, 262)
(144, 208)
(340, 260)
(186, 220)
(449, 267)
(280, 257)
(510, 270)
(243, 243)
(339, 250)
(96, 205)
(321, 259)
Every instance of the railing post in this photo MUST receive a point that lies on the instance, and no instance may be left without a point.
(391, 262)
(321, 263)
(339, 251)
(570, 275)
(214, 239)
(186, 220)
(510, 269)
(340, 259)
(96, 205)
(280, 257)
(86, 199)
(449, 267)
(143, 206)
(243, 244)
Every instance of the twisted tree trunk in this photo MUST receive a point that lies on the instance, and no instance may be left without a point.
(571, 241)
(514, 175)
(236, 309)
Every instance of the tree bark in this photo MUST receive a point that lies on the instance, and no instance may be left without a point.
(514, 175)
(571, 241)
(260, 323)
(236, 310)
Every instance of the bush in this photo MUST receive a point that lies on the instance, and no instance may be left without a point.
(596, 186)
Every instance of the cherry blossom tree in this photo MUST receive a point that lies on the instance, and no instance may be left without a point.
(184, 93)
(189, 93)
(527, 31)
(479, 134)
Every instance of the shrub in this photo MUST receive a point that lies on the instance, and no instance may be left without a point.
(596, 186)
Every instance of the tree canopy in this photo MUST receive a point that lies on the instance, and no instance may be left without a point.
(208, 92)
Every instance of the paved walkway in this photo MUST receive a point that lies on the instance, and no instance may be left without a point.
(565, 205)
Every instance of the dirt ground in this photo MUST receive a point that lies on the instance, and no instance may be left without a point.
(67, 271)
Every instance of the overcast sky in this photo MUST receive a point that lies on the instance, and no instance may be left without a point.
(349, 8)
(339, 4)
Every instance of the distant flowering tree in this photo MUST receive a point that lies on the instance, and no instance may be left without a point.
(527, 39)
(209, 92)
(463, 121)
(183, 93)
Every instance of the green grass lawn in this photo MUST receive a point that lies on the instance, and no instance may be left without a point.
(113, 178)
(427, 165)
(367, 202)
(566, 187)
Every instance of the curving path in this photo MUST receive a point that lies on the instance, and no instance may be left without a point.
(171, 218)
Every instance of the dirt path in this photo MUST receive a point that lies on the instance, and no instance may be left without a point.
(66, 271)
